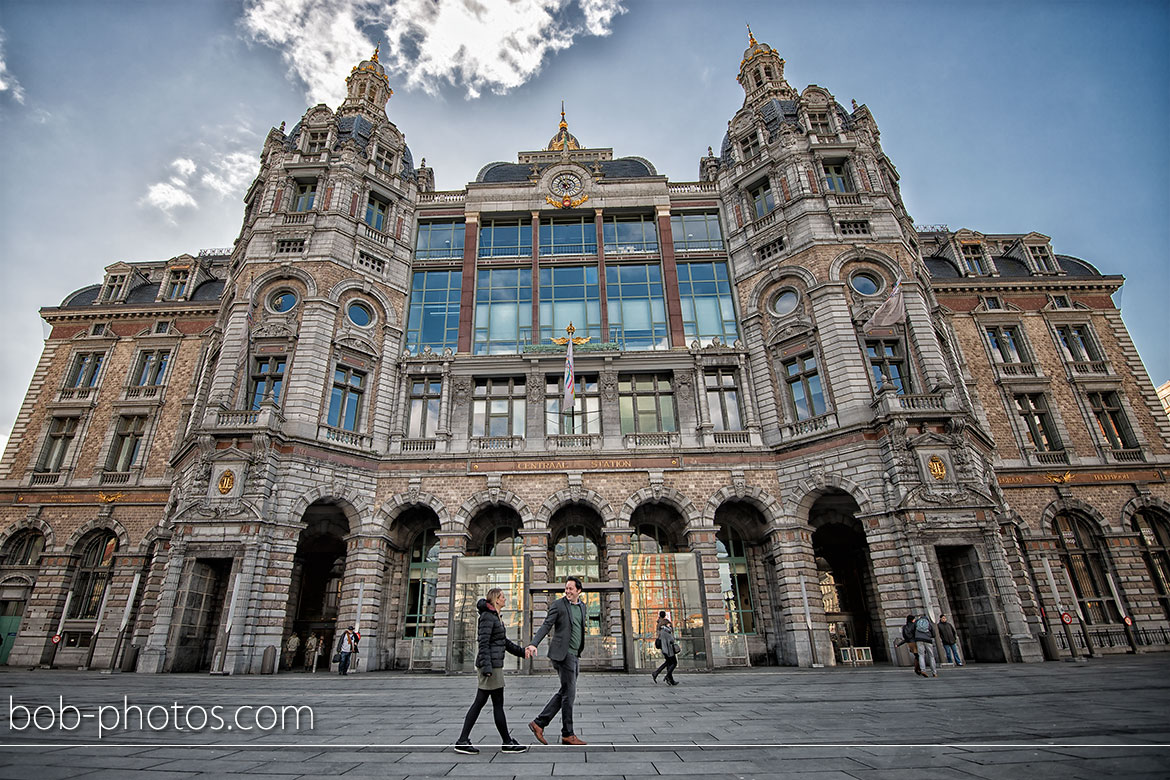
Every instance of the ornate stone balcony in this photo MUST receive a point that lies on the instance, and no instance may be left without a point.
(143, 392)
(725, 438)
(347, 438)
(1009, 370)
(447, 196)
(77, 393)
(686, 188)
(376, 236)
(571, 442)
(223, 420)
(419, 445)
(495, 443)
(44, 478)
(641, 441)
(1053, 458)
(1127, 456)
(810, 426)
(1082, 367)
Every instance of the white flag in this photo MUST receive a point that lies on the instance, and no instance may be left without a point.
(891, 312)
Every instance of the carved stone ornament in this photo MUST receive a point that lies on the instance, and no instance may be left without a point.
(461, 390)
(937, 467)
(609, 387)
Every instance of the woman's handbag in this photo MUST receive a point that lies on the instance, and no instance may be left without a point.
(337, 658)
(675, 647)
(658, 643)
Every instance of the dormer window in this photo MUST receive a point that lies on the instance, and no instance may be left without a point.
(1042, 258)
(973, 258)
(749, 145)
(837, 178)
(177, 286)
(818, 123)
(384, 160)
(1061, 302)
(315, 141)
(306, 193)
(114, 289)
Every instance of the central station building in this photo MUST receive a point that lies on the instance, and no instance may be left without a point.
(357, 415)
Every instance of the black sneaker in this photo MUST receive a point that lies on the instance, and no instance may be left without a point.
(512, 746)
(464, 746)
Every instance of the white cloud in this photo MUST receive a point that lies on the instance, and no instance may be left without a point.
(184, 166)
(472, 44)
(8, 82)
(167, 196)
(220, 168)
(231, 173)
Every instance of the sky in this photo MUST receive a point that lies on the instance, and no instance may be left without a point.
(131, 130)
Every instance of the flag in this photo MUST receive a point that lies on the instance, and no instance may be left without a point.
(891, 312)
(570, 389)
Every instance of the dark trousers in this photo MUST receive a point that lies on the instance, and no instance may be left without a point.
(343, 664)
(669, 664)
(562, 700)
(481, 697)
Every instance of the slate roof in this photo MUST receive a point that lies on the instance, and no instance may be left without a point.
(1011, 268)
(621, 168)
(83, 297)
(143, 293)
(211, 290)
(1076, 267)
(942, 268)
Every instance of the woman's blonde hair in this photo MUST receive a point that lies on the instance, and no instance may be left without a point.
(491, 595)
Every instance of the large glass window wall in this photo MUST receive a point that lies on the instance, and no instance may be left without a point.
(503, 310)
(505, 238)
(637, 306)
(439, 239)
(569, 294)
(696, 232)
(627, 235)
(704, 292)
(433, 320)
(568, 236)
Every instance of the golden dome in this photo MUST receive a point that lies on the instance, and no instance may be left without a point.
(755, 48)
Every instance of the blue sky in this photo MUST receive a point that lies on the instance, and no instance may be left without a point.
(131, 129)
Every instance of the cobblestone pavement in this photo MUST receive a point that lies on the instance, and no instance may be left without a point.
(1105, 718)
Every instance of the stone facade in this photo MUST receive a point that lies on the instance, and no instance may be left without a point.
(794, 428)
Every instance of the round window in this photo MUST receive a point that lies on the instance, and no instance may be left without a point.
(283, 301)
(360, 314)
(865, 283)
(785, 302)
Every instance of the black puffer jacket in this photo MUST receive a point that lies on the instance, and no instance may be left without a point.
(493, 640)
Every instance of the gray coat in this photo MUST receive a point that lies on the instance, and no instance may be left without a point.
(666, 640)
(560, 623)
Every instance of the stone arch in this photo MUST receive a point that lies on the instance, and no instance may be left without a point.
(758, 497)
(580, 495)
(21, 580)
(1137, 504)
(662, 495)
(30, 523)
(284, 271)
(461, 522)
(887, 263)
(100, 523)
(820, 483)
(763, 287)
(156, 534)
(394, 506)
(353, 504)
(1075, 506)
(389, 315)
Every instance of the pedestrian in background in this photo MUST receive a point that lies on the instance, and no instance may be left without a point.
(908, 640)
(489, 663)
(670, 649)
(290, 650)
(950, 640)
(924, 634)
(346, 646)
(311, 645)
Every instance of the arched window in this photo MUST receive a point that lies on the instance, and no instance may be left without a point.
(423, 584)
(24, 549)
(734, 582)
(1083, 558)
(97, 563)
(650, 538)
(1154, 531)
(503, 540)
(575, 554)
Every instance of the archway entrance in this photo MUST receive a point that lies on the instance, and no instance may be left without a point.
(314, 594)
(845, 572)
(577, 549)
(746, 606)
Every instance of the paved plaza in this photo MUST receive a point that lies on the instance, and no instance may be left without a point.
(1109, 717)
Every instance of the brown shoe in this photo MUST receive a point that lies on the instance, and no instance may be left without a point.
(572, 739)
(538, 732)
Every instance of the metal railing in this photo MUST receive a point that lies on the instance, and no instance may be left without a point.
(1115, 637)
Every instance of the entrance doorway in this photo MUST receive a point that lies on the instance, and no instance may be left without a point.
(199, 610)
(969, 596)
(11, 611)
(315, 587)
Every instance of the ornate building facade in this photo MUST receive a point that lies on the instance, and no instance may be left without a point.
(794, 417)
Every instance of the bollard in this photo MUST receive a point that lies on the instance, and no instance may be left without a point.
(268, 664)
(1048, 647)
(130, 658)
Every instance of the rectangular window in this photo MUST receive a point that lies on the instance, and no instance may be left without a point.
(1076, 343)
(439, 239)
(290, 246)
(584, 417)
(152, 368)
(637, 306)
(61, 433)
(569, 294)
(1061, 302)
(1005, 344)
(1042, 258)
(503, 310)
(162, 326)
(315, 141)
(1111, 421)
(696, 232)
(304, 197)
(886, 359)
(376, 212)
(762, 200)
(422, 419)
(86, 370)
(625, 235)
(646, 403)
(857, 227)
(818, 123)
(97, 329)
(115, 287)
(804, 386)
(992, 303)
(497, 408)
(973, 258)
(433, 320)
(345, 400)
(568, 237)
(837, 178)
(505, 238)
(749, 146)
(177, 286)
(723, 399)
(267, 380)
(127, 440)
(384, 160)
(1033, 411)
(704, 292)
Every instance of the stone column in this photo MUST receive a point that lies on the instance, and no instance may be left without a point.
(153, 656)
(791, 550)
(467, 290)
(702, 542)
(1024, 646)
(361, 600)
(452, 544)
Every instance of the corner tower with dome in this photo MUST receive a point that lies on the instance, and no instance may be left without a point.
(795, 416)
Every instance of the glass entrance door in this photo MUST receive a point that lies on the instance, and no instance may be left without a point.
(11, 611)
(670, 583)
(474, 577)
(969, 594)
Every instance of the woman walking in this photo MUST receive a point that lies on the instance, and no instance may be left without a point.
(489, 662)
(669, 647)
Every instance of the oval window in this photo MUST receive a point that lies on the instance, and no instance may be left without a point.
(865, 283)
(283, 301)
(785, 302)
(360, 314)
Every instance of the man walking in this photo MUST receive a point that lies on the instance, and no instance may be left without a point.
(566, 621)
(908, 640)
(346, 647)
(950, 640)
(924, 634)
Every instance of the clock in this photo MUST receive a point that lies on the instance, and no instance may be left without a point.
(566, 185)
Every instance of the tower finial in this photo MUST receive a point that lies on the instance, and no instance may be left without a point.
(751, 38)
(376, 48)
(563, 122)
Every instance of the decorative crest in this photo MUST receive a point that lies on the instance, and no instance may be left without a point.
(575, 339)
(376, 48)
(751, 38)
